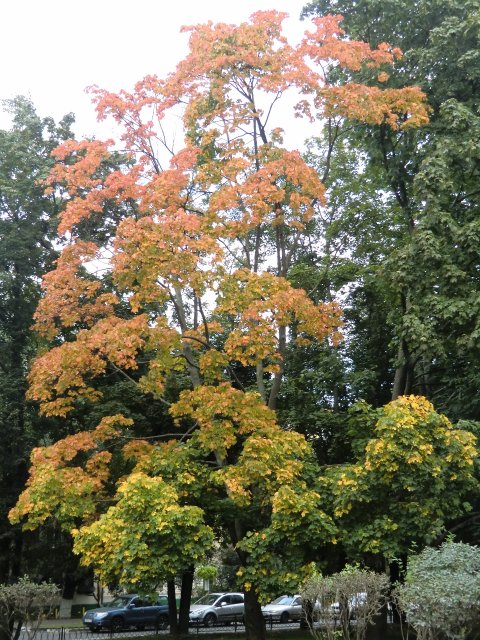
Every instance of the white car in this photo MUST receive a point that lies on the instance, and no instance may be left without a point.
(354, 602)
(284, 609)
(217, 608)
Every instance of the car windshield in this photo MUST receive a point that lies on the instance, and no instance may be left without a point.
(208, 599)
(283, 600)
(121, 601)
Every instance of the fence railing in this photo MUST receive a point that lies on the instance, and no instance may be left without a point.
(235, 625)
(82, 633)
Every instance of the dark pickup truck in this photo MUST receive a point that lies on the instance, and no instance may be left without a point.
(130, 610)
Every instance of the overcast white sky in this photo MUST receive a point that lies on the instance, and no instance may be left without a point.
(51, 50)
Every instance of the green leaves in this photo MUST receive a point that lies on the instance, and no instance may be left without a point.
(442, 590)
(27, 232)
(146, 537)
(26, 602)
(412, 475)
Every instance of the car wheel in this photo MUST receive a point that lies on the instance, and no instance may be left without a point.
(284, 617)
(117, 624)
(162, 622)
(209, 620)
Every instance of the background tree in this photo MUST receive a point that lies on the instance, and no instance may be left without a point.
(419, 287)
(27, 230)
(426, 195)
(413, 472)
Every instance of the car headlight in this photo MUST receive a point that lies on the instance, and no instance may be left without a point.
(100, 616)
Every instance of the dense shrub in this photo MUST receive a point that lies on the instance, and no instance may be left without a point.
(25, 603)
(441, 594)
(348, 600)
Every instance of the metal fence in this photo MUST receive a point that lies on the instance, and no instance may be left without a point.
(82, 633)
(235, 626)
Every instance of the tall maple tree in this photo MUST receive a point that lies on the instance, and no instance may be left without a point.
(198, 268)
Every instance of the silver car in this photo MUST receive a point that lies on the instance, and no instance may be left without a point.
(284, 609)
(217, 608)
(355, 602)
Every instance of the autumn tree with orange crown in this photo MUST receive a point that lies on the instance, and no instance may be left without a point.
(195, 282)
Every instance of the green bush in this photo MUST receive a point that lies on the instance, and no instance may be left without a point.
(441, 594)
(25, 603)
(359, 594)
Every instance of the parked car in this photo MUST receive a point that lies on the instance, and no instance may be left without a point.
(284, 609)
(217, 608)
(129, 610)
(354, 602)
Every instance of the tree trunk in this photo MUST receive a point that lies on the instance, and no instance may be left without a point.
(402, 382)
(17, 630)
(172, 607)
(254, 621)
(399, 381)
(396, 571)
(379, 629)
(278, 377)
(255, 628)
(185, 599)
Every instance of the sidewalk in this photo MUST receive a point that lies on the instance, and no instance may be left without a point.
(59, 623)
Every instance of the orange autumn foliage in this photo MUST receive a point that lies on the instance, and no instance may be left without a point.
(61, 483)
(217, 227)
